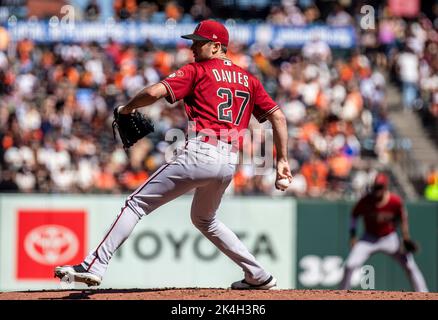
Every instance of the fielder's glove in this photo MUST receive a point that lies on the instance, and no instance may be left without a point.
(132, 127)
(410, 245)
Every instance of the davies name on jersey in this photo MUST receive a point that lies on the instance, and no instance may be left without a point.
(230, 77)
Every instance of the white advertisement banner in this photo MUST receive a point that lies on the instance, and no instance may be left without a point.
(39, 232)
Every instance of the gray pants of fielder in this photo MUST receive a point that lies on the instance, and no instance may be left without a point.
(201, 166)
(390, 245)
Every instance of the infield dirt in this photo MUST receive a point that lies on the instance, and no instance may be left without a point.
(213, 294)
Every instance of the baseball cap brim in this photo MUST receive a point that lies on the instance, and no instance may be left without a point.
(194, 37)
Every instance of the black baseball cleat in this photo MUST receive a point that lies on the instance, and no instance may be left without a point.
(243, 285)
(77, 273)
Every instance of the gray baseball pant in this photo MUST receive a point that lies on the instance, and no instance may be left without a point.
(390, 245)
(199, 165)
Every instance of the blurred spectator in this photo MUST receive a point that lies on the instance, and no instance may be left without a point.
(408, 66)
(316, 50)
(3, 61)
(298, 186)
(311, 14)
(339, 17)
(315, 171)
(92, 11)
(64, 179)
(340, 166)
(361, 180)
(7, 182)
(432, 175)
(242, 181)
(389, 28)
(294, 15)
(25, 180)
(353, 104)
(173, 11)
(105, 181)
(200, 11)
(286, 14)
(146, 11)
(125, 9)
(384, 138)
(277, 16)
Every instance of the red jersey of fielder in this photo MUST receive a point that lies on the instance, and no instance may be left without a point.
(379, 221)
(219, 95)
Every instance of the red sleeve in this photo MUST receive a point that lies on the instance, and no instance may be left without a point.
(398, 204)
(180, 83)
(263, 103)
(358, 208)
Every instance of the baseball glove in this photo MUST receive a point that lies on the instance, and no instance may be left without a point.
(410, 245)
(132, 127)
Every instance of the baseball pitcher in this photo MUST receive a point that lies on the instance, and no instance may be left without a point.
(382, 211)
(218, 96)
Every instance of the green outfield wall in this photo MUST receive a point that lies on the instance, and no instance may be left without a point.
(322, 246)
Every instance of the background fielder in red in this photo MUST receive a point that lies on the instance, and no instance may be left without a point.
(382, 212)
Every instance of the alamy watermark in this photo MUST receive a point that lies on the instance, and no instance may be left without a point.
(367, 277)
(368, 19)
(67, 282)
(212, 147)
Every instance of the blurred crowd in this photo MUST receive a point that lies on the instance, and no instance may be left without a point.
(411, 51)
(57, 101)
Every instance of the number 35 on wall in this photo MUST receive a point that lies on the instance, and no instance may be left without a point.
(325, 271)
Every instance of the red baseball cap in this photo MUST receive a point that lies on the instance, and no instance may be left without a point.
(209, 30)
(381, 179)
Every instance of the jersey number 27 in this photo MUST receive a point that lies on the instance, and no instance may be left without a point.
(224, 109)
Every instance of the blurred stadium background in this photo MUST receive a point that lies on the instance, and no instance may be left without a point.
(357, 80)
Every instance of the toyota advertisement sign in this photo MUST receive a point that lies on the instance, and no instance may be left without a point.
(48, 238)
(39, 232)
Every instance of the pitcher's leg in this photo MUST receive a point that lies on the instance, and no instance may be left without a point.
(360, 253)
(415, 276)
(164, 185)
(203, 213)
(97, 261)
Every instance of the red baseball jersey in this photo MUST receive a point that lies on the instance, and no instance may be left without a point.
(219, 95)
(379, 221)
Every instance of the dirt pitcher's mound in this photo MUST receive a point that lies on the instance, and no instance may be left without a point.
(214, 294)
